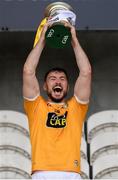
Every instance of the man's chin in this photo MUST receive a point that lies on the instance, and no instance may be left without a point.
(57, 100)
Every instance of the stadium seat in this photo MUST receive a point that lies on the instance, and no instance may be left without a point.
(14, 117)
(100, 122)
(15, 147)
(12, 138)
(13, 160)
(106, 167)
(103, 144)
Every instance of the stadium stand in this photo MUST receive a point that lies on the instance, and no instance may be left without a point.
(15, 148)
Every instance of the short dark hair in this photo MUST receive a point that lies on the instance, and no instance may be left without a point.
(55, 69)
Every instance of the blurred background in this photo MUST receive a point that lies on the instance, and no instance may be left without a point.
(97, 31)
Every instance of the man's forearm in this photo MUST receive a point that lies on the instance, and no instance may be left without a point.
(81, 58)
(33, 58)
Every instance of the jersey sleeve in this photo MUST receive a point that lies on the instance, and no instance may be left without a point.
(30, 105)
(32, 108)
(78, 109)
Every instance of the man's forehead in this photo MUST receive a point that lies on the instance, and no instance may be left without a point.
(56, 73)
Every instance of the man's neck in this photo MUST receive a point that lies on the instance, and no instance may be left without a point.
(53, 102)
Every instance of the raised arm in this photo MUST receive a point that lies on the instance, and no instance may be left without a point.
(30, 83)
(82, 87)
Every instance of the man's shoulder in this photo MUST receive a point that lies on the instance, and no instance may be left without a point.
(36, 100)
(31, 104)
(75, 100)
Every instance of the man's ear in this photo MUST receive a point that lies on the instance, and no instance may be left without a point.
(45, 86)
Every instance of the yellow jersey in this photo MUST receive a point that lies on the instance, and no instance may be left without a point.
(55, 132)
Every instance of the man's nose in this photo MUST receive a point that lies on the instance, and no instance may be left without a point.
(58, 81)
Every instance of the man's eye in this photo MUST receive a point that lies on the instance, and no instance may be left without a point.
(62, 79)
(52, 79)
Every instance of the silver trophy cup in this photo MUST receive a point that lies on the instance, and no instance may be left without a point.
(59, 36)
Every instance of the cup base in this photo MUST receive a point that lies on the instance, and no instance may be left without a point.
(58, 36)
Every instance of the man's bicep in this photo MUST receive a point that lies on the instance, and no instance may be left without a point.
(82, 88)
(30, 86)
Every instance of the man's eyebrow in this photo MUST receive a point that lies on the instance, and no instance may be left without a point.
(51, 76)
(63, 76)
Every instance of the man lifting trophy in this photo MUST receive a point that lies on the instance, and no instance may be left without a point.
(58, 36)
(56, 123)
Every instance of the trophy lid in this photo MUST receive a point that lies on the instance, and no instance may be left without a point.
(51, 8)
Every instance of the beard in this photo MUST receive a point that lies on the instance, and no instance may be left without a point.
(56, 100)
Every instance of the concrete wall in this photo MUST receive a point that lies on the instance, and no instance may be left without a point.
(101, 47)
